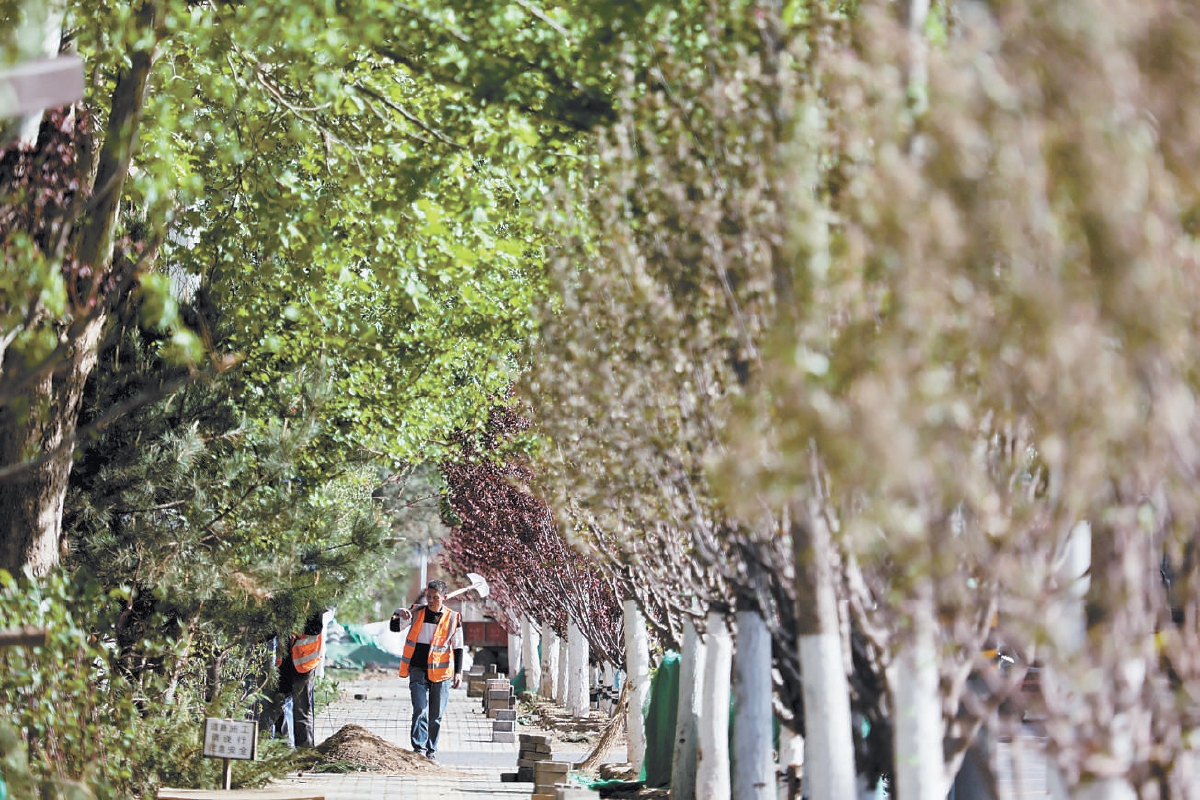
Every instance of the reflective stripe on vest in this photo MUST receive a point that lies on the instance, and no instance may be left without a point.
(306, 651)
(440, 662)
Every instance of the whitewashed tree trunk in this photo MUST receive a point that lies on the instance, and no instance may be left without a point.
(917, 716)
(712, 767)
(515, 655)
(829, 744)
(753, 722)
(548, 688)
(637, 675)
(529, 655)
(578, 682)
(1072, 572)
(685, 755)
(564, 670)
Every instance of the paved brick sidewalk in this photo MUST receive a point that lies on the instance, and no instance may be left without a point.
(471, 762)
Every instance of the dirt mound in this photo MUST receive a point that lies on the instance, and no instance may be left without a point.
(356, 744)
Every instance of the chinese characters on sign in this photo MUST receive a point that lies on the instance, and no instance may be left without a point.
(230, 738)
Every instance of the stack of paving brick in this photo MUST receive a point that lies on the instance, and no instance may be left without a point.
(476, 682)
(535, 747)
(504, 725)
(549, 777)
(501, 708)
(498, 697)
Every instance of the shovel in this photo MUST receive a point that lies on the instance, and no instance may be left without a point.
(478, 583)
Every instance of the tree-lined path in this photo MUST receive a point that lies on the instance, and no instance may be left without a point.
(837, 356)
(469, 763)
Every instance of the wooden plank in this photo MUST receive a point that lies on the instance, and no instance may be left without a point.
(270, 793)
(36, 85)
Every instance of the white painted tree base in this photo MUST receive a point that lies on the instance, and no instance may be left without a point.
(529, 655)
(562, 680)
(547, 688)
(753, 722)
(917, 719)
(828, 745)
(578, 675)
(637, 687)
(685, 755)
(712, 765)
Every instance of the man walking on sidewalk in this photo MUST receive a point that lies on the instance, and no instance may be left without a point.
(435, 632)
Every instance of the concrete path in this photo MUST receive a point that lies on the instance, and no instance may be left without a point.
(470, 762)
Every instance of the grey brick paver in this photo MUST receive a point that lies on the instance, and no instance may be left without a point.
(471, 762)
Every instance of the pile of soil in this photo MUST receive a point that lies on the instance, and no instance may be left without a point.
(357, 745)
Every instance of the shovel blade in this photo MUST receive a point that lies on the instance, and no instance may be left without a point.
(479, 583)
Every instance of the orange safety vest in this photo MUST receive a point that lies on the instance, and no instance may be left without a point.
(441, 657)
(306, 652)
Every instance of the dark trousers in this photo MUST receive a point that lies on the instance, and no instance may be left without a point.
(304, 710)
(289, 714)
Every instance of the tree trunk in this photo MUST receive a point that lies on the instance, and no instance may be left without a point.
(31, 525)
(547, 687)
(753, 771)
(1120, 636)
(712, 768)
(578, 684)
(637, 677)
(562, 680)
(43, 417)
(829, 745)
(529, 655)
(917, 705)
(516, 655)
(1067, 622)
(685, 755)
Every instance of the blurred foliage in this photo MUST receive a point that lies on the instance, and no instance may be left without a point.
(76, 727)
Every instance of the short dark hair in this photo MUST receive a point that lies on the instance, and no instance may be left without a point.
(437, 585)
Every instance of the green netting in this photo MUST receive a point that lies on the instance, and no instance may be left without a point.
(518, 683)
(608, 783)
(357, 635)
(358, 656)
(660, 722)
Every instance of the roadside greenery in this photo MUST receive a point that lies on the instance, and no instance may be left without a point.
(849, 313)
